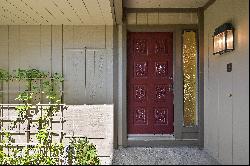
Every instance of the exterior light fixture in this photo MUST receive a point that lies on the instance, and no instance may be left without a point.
(223, 39)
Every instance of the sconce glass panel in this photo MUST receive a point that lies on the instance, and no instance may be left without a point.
(223, 39)
(216, 43)
(190, 78)
(230, 39)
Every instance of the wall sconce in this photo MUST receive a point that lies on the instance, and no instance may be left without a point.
(223, 39)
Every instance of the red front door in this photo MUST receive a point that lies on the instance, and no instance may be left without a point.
(150, 82)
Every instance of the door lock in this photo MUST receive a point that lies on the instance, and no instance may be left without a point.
(170, 88)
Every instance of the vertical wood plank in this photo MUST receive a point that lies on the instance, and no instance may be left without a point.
(4, 61)
(68, 36)
(100, 73)
(225, 115)
(89, 36)
(56, 49)
(44, 59)
(131, 18)
(90, 82)
(15, 54)
(4, 47)
(169, 18)
(74, 77)
(194, 18)
(45, 56)
(153, 18)
(109, 76)
(109, 37)
(142, 18)
(73, 68)
(30, 46)
(57, 57)
(213, 115)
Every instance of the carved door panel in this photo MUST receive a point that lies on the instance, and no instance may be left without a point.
(150, 82)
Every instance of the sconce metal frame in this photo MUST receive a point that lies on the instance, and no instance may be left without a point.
(221, 38)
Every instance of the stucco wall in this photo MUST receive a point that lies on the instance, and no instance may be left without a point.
(227, 118)
(88, 75)
(93, 121)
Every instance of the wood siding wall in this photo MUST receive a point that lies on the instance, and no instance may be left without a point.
(88, 74)
(226, 119)
(161, 18)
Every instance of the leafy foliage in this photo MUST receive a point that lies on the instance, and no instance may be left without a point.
(4, 75)
(82, 152)
(45, 152)
(23, 74)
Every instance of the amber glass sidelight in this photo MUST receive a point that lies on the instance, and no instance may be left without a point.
(190, 77)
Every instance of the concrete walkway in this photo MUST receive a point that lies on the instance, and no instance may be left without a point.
(162, 156)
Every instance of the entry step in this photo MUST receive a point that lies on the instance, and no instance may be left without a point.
(149, 137)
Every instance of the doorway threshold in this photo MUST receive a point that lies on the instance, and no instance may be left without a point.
(150, 137)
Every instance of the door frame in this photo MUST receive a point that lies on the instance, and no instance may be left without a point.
(179, 130)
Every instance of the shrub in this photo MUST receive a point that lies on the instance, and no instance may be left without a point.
(45, 152)
(82, 152)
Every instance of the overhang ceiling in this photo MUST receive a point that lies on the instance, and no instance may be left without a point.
(164, 3)
(55, 12)
(77, 12)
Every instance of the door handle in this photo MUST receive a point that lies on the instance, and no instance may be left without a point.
(230, 95)
(170, 88)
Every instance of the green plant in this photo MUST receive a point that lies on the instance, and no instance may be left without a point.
(52, 89)
(45, 152)
(2, 157)
(23, 74)
(4, 75)
(82, 152)
(49, 86)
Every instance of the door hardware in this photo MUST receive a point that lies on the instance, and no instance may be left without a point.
(170, 88)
